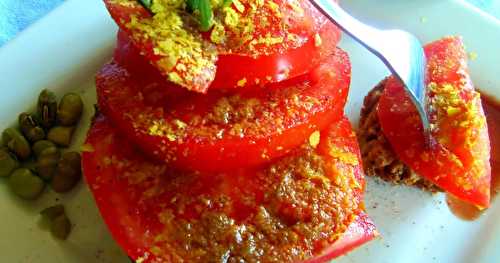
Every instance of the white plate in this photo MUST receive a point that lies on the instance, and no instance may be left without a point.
(66, 48)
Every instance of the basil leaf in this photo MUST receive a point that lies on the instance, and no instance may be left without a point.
(192, 5)
(206, 14)
(146, 3)
(227, 2)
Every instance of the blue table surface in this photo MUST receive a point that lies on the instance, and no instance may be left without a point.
(16, 15)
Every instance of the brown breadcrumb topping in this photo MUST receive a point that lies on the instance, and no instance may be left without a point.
(299, 216)
(288, 211)
(378, 157)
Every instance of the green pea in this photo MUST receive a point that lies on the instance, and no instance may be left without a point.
(60, 227)
(73, 159)
(25, 184)
(47, 108)
(16, 142)
(70, 109)
(61, 135)
(30, 128)
(68, 172)
(40, 146)
(30, 164)
(8, 162)
(47, 163)
(53, 212)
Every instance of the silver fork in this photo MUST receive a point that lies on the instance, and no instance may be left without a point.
(400, 51)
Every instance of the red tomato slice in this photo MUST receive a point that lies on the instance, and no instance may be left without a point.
(358, 233)
(220, 131)
(289, 38)
(459, 161)
(302, 203)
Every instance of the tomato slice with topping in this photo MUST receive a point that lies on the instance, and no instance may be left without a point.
(459, 160)
(358, 233)
(251, 43)
(223, 131)
(297, 208)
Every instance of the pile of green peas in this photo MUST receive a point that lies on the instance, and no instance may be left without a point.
(31, 157)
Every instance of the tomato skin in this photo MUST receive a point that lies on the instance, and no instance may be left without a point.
(361, 231)
(283, 124)
(232, 65)
(132, 216)
(459, 160)
(232, 68)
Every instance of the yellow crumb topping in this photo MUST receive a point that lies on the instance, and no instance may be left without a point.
(314, 138)
(459, 120)
(239, 6)
(453, 111)
(218, 34)
(248, 31)
(296, 7)
(141, 259)
(274, 7)
(344, 156)
(182, 51)
(249, 27)
(126, 3)
(317, 40)
(241, 82)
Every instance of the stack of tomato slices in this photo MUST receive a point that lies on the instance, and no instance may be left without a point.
(233, 173)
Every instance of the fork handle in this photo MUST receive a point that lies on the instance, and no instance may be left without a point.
(369, 37)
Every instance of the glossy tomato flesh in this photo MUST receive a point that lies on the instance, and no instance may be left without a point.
(221, 131)
(459, 160)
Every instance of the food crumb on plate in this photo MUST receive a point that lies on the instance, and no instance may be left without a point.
(472, 55)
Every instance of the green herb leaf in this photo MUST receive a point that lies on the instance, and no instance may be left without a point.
(146, 3)
(227, 2)
(206, 15)
(203, 9)
(192, 5)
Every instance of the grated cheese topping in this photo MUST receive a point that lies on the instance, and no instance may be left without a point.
(188, 57)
